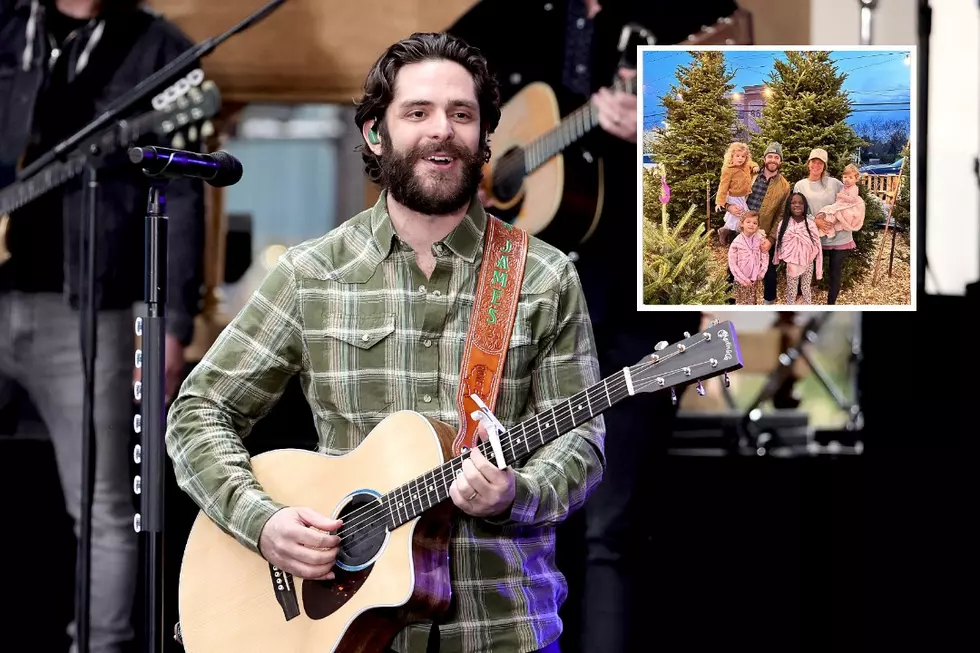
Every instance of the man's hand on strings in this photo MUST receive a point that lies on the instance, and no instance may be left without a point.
(480, 489)
(617, 109)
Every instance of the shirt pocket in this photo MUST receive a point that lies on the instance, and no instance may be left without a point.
(522, 351)
(356, 363)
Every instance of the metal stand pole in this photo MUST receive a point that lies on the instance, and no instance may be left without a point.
(151, 453)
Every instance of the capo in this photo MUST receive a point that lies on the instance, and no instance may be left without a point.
(493, 428)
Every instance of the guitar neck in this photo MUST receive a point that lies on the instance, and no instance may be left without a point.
(410, 500)
(573, 127)
(54, 175)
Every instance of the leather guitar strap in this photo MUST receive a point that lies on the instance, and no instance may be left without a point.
(494, 309)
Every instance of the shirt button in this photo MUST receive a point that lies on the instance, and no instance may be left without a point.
(580, 68)
(426, 343)
(580, 23)
(548, 6)
(436, 293)
(421, 288)
(426, 398)
(365, 337)
(515, 78)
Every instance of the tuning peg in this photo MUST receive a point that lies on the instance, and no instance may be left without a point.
(701, 390)
(713, 323)
(673, 397)
(687, 334)
(660, 345)
(728, 381)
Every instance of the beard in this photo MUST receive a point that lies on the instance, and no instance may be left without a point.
(435, 191)
(773, 167)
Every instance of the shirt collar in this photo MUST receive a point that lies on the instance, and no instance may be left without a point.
(465, 241)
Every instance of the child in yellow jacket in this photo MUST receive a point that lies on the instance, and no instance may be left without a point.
(736, 184)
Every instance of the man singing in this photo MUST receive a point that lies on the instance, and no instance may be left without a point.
(373, 317)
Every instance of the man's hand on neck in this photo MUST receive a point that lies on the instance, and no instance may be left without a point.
(79, 8)
(421, 231)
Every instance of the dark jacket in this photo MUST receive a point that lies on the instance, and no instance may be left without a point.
(117, 50)
(525, 42)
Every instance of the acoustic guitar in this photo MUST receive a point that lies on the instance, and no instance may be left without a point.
(532, 181)
(180, 113)
(392, 494)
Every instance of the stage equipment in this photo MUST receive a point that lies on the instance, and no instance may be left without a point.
(784, 432)
(82, 145)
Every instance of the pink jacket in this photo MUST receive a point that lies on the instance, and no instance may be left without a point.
(847, 213)
(747, 262)
(800, 245)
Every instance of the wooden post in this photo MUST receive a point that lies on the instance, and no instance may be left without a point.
(888, 219)
(707, 217)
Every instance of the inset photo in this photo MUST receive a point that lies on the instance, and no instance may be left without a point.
(777, 177)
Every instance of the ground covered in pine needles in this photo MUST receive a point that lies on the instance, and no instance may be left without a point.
(890, 290)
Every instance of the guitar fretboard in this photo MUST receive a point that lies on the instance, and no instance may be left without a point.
(573, 127)
(55, 174)
(410, 500)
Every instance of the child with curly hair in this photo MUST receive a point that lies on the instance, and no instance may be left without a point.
(799, 246)
(736, 183)
(848, 211)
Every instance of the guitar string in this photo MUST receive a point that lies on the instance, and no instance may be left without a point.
(375, 526)
(508, 166)
(377, 508)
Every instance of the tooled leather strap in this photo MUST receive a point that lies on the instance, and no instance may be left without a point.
(494, 309)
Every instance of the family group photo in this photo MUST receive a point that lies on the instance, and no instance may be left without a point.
(773, 177)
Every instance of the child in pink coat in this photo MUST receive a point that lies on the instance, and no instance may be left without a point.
(847, 213)
(746, 259)
(798, 244)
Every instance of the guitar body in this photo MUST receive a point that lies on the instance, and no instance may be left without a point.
(227, 595)
(568, 184)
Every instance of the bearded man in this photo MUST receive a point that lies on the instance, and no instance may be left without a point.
(374, 317)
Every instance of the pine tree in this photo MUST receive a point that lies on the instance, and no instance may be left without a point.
(701, 122)
(678, 268)
(808, 108)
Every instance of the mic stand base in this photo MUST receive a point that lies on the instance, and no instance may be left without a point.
(151, 454)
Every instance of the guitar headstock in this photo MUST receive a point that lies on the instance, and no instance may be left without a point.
(730, 30)
(703, 355)
(189, 114)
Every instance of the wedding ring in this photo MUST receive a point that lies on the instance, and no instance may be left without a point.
(473, 497)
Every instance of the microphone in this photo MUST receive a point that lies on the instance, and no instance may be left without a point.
(218, 169)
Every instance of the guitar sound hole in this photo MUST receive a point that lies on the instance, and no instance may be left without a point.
(363, 533)
(508, 175)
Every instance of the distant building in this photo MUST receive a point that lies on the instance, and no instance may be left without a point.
(749, 104)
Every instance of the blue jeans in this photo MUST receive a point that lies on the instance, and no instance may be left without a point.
(40, 350)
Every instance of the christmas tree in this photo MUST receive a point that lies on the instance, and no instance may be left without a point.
(808, 108)
(700, 125)
(678, 268)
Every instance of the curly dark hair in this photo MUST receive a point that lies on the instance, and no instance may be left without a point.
(379, 86)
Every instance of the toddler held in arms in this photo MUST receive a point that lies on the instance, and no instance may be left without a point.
(847, 213)
(799, 246)
(747, 260)
(736, 184)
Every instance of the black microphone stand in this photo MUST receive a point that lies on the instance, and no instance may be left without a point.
(924, 26)
(150, 484)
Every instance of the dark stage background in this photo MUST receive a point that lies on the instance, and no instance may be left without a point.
(825, 553)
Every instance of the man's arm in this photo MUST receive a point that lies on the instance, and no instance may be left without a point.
(559, 477)
(236, 383)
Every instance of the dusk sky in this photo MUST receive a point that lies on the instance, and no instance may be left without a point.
(878, 82)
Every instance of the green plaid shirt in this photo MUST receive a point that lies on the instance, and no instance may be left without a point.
(369, 334)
